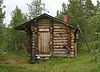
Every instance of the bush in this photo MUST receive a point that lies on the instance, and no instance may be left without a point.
(3, 58)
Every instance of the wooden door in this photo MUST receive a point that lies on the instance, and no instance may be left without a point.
(44, 43)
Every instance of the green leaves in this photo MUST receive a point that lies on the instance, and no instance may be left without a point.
(15, 37)
(17, 18)
(35, 8)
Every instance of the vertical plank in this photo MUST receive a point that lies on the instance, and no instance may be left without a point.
(44, 42)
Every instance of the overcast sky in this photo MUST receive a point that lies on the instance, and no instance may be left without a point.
(51, 5)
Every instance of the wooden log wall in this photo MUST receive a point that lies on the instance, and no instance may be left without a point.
(34, 38)
(43, 24)
(60, 36)
(63, 35)
(73, 44)
(29, 42)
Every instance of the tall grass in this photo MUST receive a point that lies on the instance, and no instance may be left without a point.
(81, 63)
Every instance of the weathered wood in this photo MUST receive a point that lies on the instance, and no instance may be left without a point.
(60, 41)
(59, 27)
(29, 42)
(51, 36)
(60, 38)
(60, 44)
(61, 30)
(43, 29)
(58, 35)
(45, 34)
(44, 40)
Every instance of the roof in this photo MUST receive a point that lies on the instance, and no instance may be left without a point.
(27, 24)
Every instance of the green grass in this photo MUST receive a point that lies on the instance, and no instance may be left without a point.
(81, 63)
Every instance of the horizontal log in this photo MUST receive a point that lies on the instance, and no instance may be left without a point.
(60, 30)
(60, 34)
(59, 41)
(72, 49)
(58, 46)
(39, 27)
(72, 40)
(72, 46)
(60, 38)
(72, 43)
(43, 29)
(33, 32)
(63, 32)
(33, 39)
(33, 46)
(64, 35)
(62, 27)
(33, 42)
(59, 49)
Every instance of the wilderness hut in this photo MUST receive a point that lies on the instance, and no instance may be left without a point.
(47, 35)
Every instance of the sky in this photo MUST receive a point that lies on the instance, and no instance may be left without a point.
(51, 5)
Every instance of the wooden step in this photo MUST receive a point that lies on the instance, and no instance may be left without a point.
(43, 56)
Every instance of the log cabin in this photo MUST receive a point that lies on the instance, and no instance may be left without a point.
(47, 36)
